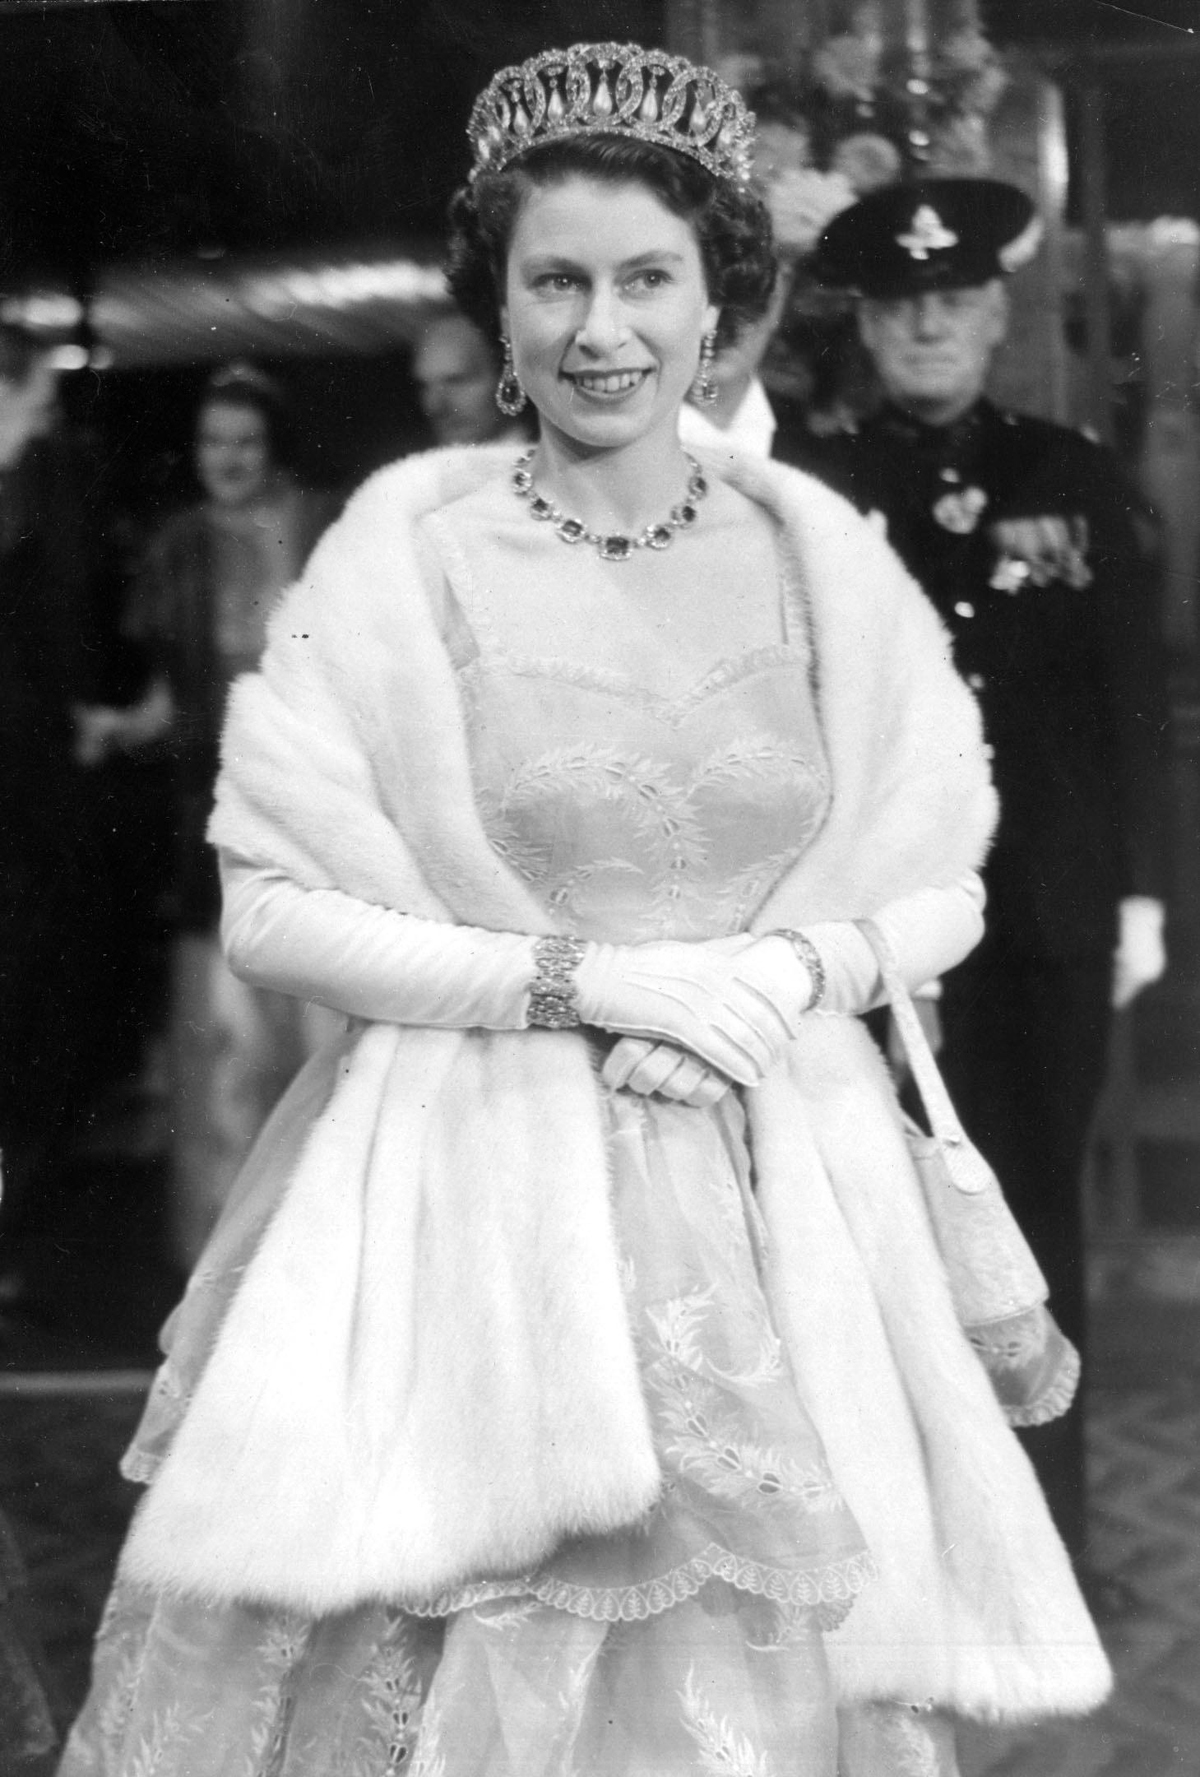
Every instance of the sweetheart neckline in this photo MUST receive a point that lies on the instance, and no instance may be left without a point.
(722, 676)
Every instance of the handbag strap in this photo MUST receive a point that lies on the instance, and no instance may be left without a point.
(968, 1169)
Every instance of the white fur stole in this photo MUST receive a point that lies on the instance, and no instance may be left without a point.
(426, 1373)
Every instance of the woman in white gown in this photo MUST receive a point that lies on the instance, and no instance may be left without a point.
(572, 1384)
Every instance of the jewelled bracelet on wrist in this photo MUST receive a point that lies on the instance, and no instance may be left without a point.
(810, 956)
(553, 998)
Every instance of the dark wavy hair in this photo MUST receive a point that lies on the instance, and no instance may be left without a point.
(731, 224)
(242, 384)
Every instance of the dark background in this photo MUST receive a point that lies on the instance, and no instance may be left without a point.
(195, 126)
(205, 131)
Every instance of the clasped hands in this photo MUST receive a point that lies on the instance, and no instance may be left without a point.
(694, 1018)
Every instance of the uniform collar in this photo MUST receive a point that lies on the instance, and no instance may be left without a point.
(958, 436)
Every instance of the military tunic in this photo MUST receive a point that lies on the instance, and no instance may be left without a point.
(1026, 538)
(59, 583)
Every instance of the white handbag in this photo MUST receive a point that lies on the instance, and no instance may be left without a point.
(997, 1285)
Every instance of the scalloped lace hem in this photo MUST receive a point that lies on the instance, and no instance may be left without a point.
(831, 1590)
(1053, 1401)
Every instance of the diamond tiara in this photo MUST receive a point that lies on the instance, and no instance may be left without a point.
(613, 89)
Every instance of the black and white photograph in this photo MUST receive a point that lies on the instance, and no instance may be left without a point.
(599, 888)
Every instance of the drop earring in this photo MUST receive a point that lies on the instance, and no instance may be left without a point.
(704, 389)
(510, 396)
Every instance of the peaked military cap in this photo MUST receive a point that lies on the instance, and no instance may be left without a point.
(928, 234)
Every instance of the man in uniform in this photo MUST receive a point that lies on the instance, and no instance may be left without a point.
(1023, 534)
(63, 937)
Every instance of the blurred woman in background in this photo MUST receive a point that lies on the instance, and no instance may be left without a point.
(211, 578)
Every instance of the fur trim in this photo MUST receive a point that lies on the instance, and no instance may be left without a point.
(405, 1333)
(975, 1604)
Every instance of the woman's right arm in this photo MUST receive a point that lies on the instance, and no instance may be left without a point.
(372, 962)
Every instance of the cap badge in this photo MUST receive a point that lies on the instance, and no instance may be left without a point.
(927, 234)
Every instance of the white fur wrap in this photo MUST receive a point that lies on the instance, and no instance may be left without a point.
(426, 1372)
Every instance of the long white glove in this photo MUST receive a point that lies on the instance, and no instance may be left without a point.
(369, 961)
(734, 1003)
(1141, 954)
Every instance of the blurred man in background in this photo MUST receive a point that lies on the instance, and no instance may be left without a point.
(457, 368)
(59, 598)
(1023, 535)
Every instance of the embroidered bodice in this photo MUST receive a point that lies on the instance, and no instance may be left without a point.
(636, 815)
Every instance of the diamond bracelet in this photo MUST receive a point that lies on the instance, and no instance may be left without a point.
(553, 997)
(810, 956)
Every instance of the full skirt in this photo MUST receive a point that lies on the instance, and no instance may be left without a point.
(690, 1642)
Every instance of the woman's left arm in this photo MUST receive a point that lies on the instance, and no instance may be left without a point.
(928, 932)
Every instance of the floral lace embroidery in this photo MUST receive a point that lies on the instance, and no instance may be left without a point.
(1011, 1344)
(705, 1440)
(393, 1692)
(724, 1752)
(1035, 1371)
(677, 1327)
(430, 1760)
(661, 813)
(283, 1645)
(168, 1732)
(658, 810)
(737, 1208)
(573, 1698)
(793, 1627)
(659, 822)
(117, 1711)
(705, 1446)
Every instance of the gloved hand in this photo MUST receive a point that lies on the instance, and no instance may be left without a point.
(732, 1002)
(1141, 954)
(636, 1064)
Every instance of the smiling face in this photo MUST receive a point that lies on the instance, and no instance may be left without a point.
(932, 351)
(605, 305)
(233, 452)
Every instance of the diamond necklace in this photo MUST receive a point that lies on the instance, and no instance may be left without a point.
(615, 545)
